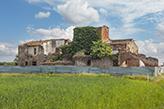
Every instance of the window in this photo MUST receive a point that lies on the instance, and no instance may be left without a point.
(26, 63)
(34, 51)
(34, 63)
(88, 62)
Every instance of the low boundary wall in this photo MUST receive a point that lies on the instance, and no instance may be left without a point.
(152, 71)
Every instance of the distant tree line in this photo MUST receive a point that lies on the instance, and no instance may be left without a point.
(14, 63)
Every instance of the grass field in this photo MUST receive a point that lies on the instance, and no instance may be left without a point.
(78, 92)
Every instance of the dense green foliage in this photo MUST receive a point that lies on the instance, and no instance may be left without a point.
(67, 52)
(79, 92)
(56, 57)
(83, 37)
(100, 49)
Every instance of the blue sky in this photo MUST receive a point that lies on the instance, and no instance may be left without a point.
(25, 20)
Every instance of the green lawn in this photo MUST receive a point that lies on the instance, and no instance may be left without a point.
(79, 92)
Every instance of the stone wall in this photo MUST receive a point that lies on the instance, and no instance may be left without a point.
(105, 62)
(81, 61)
(132, 62)
(132, 59)
(126, 45)
(58, 62)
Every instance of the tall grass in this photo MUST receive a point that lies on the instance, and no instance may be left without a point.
(76, 92)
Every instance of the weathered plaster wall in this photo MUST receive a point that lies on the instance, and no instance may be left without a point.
(30, 50)
(50, 46)
(47, 47)
(22, 51)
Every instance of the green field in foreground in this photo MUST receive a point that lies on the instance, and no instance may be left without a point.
(79, 92)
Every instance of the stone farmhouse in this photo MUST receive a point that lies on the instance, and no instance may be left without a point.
(38, 52)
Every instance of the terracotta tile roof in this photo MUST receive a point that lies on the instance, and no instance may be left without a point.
(34, 43)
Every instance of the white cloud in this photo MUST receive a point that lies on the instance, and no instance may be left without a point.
(77, 12)
(129, 25)
(113, 29)
(42, 15)
(29, 28)
(30, 1)
(47, 8)
(54, 33)
(28, 40)
(132, 30)
(7, 53)
(8, 44)
(149, 48)
(103, 10)
(50, 2)
(160, 29)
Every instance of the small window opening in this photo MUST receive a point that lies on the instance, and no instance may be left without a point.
(34, 51)
(26, 63)
(34, 63)
(115, 62)
(88, 62)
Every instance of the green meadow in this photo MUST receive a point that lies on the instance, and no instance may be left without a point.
(79, 91)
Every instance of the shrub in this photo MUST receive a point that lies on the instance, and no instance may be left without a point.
(100, 49)
(56, 57)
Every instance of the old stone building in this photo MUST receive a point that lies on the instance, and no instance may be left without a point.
(128, 53)
(37, 52)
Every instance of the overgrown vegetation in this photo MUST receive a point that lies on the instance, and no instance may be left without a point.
(83, 37)
(100, 49)
(56, 57)
(88, 40)
(84, 91)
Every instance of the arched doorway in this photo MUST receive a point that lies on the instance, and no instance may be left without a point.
(142, 64)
